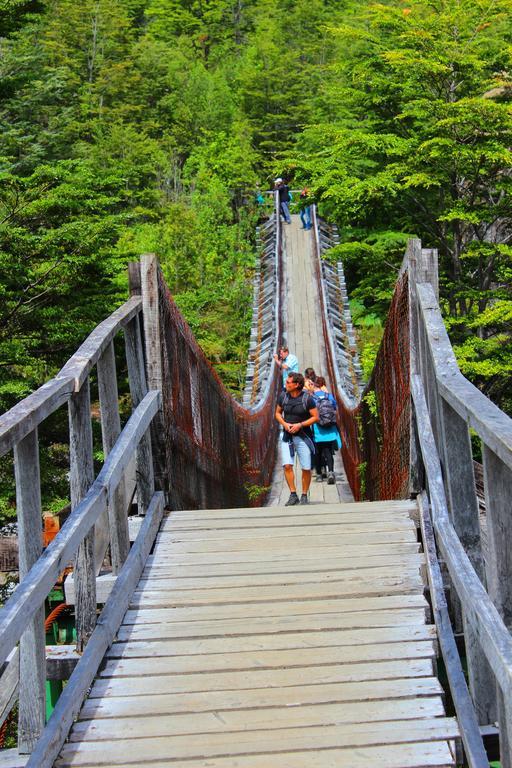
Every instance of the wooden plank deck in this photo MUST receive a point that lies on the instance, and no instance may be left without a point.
(304, 336)
(273, 638)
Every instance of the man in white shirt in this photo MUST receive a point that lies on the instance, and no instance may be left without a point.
(287, 362)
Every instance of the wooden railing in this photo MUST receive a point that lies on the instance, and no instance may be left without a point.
(447, 407)
(98, 520)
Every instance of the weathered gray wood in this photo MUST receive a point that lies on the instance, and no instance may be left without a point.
(32, 698)
(498, 495)
(110, 430)
(138, 388)
(151, 458)
(495, 639)
(469, 729)
(134, 278)
(26, 416)
(493, 426)
(460, 485)
(9, 678)
(149, 280)
(69, 703)
(31, 593)
(85, 358)
(60, 661)
(81, 479)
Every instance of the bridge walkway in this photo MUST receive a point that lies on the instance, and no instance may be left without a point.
(270, 638)
(302, 325)
(275, 637)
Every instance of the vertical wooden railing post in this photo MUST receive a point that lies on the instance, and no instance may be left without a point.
(81, 478)
(498, 492)
(32, 645)
(154, 365)
(110, 430)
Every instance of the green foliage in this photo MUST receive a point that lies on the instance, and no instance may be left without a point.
(413, 136)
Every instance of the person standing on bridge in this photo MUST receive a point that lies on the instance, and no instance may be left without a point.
(296, 412)
(284, 199)
(305, 209)
(287, 362)
(325, 432)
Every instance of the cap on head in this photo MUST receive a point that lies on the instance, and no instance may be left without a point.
(278, 181)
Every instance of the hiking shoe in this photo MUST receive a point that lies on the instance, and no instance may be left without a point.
(304, 499)
(319, 478)
(294, 499)
(331, 479)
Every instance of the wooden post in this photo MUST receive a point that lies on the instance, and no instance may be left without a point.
(154, 368)
(498, 492)
(110, 430)
(32, 698)
(81, 479)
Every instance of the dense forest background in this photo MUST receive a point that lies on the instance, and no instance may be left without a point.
(146, 125)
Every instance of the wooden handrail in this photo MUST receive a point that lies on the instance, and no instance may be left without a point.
(33, 590)
(22, 418)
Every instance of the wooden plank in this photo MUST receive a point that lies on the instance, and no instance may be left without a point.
(314, 553)
(70, 701)
(284, 543)
(24, 417)
(9, 677)
(81, 471)
(263, 659)
(31, 593)
(256, 642)
(279, 609)
(314, 519)
(110, 431)
(185, 572)
(261, 678)
(400, 583)
(416, 755)
(271, 532)
(158, 726)
(496, 641)
(352, 735)
(160, 580)
(493, 426)
(367, 507)
(32, 696)
(214, 701)
(82, 362)
(473, 745)
(307, 622)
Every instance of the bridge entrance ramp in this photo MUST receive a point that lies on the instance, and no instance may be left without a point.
(272, 638)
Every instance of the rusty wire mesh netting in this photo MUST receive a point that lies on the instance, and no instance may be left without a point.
(385, 410)
(376, 433)
(217, 454)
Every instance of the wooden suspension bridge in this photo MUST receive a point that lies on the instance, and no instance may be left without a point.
(265, 637)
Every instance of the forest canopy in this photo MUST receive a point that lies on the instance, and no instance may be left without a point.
(147, 125)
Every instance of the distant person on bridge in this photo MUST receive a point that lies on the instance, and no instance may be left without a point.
(305, 209)
(287, 362)
(325, 432)
(284, 199)
(296, 411)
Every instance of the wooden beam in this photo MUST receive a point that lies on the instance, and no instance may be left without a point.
(32, 692)
(33, 590)
(469, 729)
(68, 705)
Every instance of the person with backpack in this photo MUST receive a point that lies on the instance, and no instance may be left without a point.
(325, 432)
(296, 412)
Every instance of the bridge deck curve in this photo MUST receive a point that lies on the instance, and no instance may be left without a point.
(273, 637)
